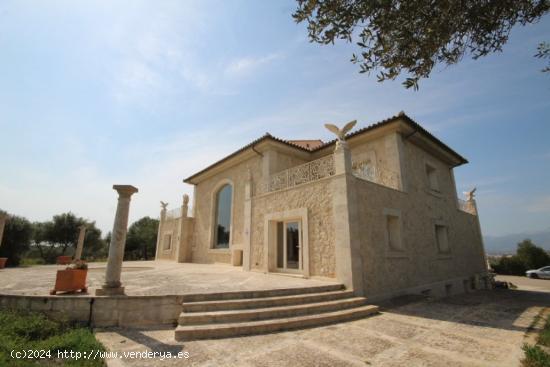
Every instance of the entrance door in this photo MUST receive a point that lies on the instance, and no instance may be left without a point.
(289, 246)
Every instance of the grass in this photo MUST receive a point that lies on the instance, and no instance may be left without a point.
(24, 331)
(31, 262)
(537, 355)
(544, 336)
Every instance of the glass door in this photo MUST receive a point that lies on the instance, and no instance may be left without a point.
(289, 245)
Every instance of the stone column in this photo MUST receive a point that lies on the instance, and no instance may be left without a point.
(349, 261)
(161, 224)
(3, 218)
(247, 221)
(80, 243)
(183, 251)
(112, 285)
(185, 206)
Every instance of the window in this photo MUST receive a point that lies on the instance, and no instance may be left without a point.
(441, 238)
(393, 228)
(222, 228)
(431, 173)
(167, 242)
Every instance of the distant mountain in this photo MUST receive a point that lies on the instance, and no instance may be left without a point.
(508, 243)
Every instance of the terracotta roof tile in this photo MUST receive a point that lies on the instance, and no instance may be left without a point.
(299, 144)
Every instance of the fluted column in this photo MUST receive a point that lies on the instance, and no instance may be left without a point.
(112, 285)
(80, 243)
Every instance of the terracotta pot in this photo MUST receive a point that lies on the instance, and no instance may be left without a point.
(70, 280)
(3, 262)
(64, 260)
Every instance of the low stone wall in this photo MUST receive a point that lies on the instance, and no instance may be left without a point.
(440, 289)
(131, 311)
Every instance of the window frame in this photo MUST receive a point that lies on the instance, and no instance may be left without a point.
(390, 251)
(214, 214)
(449, 251)
(164, 235)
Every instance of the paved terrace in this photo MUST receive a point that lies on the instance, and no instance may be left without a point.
(154, 278)
(483, 329)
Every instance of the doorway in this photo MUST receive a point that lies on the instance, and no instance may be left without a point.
(286, 242)
(289, 246)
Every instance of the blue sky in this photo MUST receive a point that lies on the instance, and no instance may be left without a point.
(148, 92)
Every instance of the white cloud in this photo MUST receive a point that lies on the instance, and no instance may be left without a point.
(247, 65)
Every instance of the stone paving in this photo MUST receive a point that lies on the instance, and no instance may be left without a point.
(484, 328)
(154, 278)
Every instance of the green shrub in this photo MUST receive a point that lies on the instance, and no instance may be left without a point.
(16, 239)
(512, 265)
(528, 256)
(544, 336)
(26, 261)
(34, 331)
(29, 325)
(535, 356)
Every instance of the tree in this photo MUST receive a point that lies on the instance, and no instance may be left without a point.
(531, 255)
(528, 256)
(95, 247)
(511, 265)
(412, 37)
(543, 52)
(16, 239)
(141, 240)
(54, 238)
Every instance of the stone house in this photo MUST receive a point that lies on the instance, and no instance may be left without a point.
(376, 210)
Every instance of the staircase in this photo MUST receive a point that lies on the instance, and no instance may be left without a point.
(221, 315)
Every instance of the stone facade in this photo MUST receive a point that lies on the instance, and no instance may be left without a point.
(317, 198)
(388, 185)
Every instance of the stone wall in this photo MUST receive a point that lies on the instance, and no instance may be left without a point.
(317, 198)
(101, 311)
(204, 207)
(420, 263)
(170, 226)
(381, 152)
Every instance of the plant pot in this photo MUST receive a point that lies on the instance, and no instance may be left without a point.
(3, 262)
(64, 260)
(70, 280)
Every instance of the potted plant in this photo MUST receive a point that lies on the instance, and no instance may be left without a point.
(71, 279)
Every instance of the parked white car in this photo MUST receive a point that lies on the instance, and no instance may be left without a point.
(543, 273)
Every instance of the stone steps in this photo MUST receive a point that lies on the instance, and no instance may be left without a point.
(262, 302)
(189, 318)
(210, 331)
(203, 297)
(220, 315)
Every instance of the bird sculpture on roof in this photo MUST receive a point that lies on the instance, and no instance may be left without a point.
(341, 133)
(470, 194)
(163, 205)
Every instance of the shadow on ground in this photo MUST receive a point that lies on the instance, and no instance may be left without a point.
(505, 309)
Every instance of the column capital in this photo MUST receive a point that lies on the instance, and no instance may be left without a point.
(125, 190)
(83, 227)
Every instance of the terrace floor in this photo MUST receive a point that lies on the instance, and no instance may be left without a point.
(154, 278)
(482, 328)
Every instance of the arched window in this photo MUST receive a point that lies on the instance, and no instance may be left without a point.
(222, 229)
